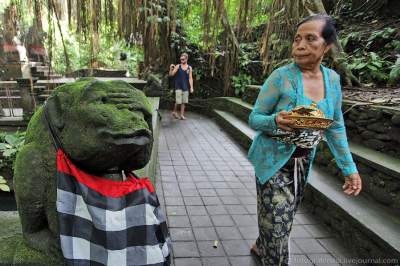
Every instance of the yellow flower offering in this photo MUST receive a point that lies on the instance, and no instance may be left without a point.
(309, 117)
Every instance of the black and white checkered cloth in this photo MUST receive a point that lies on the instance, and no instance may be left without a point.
(104, 222)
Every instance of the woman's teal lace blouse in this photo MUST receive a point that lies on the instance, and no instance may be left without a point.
(282, 91)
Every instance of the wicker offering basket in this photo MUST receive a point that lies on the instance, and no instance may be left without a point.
(309, 117)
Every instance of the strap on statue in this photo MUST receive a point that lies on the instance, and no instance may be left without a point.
(54, 136)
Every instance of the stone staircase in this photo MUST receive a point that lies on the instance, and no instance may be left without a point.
(368, 224)
(42, 71)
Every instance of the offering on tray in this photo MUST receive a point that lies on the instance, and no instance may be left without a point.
(309, 117)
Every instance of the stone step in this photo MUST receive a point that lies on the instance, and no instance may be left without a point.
(233, 105)
(12, 123)
(240, 131)
(9, 97)
(360, 214)
(36, 69)
(378, 160)
(43, 96)
(34, 63)
(382, 162)
(51, 76)
(380, 171)
(12, 92)
(14, 101)
(364, 225)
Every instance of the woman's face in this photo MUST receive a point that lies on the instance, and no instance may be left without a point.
(309, 46)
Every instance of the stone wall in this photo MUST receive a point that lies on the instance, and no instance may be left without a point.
(250, 94)
(382, 187)
(376, 127)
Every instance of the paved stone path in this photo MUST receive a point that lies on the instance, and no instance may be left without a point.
(207, 187)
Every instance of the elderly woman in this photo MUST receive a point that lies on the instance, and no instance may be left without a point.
(281, 155)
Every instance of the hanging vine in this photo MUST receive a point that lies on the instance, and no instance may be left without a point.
(82, 27)
(109, 13)
(232, 49)
(67, 62)
(10, 22)
(277, 37)
(206, 22)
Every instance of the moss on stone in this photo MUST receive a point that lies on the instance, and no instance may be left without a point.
(7, 249)
(14, 251)
(97, 123)
(250, 94)
(9, 224)
(10, 232)
(27, 256)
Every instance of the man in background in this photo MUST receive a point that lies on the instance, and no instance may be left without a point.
(183, 84)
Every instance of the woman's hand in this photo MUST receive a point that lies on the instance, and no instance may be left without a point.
(352, 184)
(282, 122)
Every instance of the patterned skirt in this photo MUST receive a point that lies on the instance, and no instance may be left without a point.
(277, 203)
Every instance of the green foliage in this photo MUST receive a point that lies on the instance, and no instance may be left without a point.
(189, 18)
(4, 4)
(3, 185)
(385, 34)
(394, 76)
(240, 82)
(355, 37)
(181, 43)
(108, 57)
(10, 144)
(370, 67)
(351, 37)
(248, 51)
(375, 61)
(393, 45)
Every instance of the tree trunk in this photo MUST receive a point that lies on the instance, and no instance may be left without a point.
(94, 40)
(38, 15)
(206, 22)
(231, 52)
(67, 63)
(167, 27)
(10, 23)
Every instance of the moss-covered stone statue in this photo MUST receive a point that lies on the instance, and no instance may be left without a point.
(104, 127)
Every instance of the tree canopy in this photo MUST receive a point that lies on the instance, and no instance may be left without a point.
(231, 42)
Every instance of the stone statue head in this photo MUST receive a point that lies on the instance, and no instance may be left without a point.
(102, 125)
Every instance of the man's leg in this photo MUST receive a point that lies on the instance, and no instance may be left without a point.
(185, 100)
(178, 101)
(174, 113)
(183, 111)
